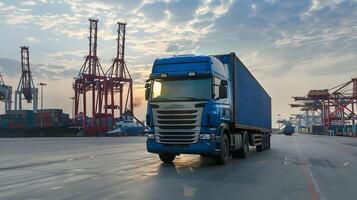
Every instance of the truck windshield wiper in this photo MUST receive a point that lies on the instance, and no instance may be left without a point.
(173, 98)
(191, 98)
(161, 99)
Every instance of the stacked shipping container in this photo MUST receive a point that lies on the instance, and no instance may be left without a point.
(51, 118)
(19, 119)
(338, 130)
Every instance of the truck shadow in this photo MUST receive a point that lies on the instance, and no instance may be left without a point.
(196, 163)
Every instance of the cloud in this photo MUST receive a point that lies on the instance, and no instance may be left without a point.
(182, 10)
(31, 39)
(156, 11)
(12, 68)
(294, 42)
(322, 26)
(155, 28)
(278, 40)
(28, 3)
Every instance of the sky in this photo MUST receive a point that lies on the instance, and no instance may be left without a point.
(291, 46)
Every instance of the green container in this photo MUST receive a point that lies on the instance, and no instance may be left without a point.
(4, 123)
(20, 117)
(339, 128)
(354, 129)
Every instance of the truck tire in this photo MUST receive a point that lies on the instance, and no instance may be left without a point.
(243, 152)
(264, 141)
(223, 156)
(269, 137)
(260, 147)
(265, 144)
(167, 157)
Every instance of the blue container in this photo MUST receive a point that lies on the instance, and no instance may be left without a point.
(288, 130)
(251, 103)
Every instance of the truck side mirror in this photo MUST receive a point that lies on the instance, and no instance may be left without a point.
(222, 92)
(147, 91)
(224, 82)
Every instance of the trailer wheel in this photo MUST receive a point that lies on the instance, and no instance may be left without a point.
(269, 137)
(167, 157)
(243, 152)
(260, 147)
(223, 156)
(264, 142)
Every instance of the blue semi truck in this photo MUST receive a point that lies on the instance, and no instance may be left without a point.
(207, 105)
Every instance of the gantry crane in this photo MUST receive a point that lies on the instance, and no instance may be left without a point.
(337, 105)
(26, 87)
(5, 94)
(91, 79)
(119, 79)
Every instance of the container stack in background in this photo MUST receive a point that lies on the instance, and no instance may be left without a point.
(43, 123)
(18, 119)
(317, 130)
(51, 118)
(354, 131)
(334, 130)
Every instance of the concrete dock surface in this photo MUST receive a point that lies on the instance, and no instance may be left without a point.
(297, 167)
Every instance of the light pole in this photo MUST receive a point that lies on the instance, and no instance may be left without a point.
(279, 120)
(72, 98)
(41, 85)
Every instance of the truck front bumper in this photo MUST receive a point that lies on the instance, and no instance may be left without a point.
(206, 147)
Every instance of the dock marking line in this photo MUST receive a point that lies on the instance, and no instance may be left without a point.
(311, 183)
(337, 143)
(346, 164)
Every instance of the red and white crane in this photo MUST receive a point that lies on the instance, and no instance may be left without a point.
(337, 105)
(91, 79)
(26, 87)
(119, 80)
(111, 92)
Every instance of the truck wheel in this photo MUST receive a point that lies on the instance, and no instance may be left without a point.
(264, 142)
(243, 152)
(223, 156)
(260, 147)
(269, 137)
(167, 157)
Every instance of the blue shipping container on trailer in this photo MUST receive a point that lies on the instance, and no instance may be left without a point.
(251, 104)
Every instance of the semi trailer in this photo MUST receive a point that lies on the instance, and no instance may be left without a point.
(207, 105)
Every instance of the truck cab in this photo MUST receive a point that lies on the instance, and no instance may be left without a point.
(189, 109)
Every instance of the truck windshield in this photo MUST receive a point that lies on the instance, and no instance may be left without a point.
(181, 90)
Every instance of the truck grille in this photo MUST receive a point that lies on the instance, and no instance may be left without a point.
(177, 126)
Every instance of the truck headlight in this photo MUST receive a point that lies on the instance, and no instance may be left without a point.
(150, 136)
(205, 136)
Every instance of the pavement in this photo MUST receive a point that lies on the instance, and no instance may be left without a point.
(297, 167)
